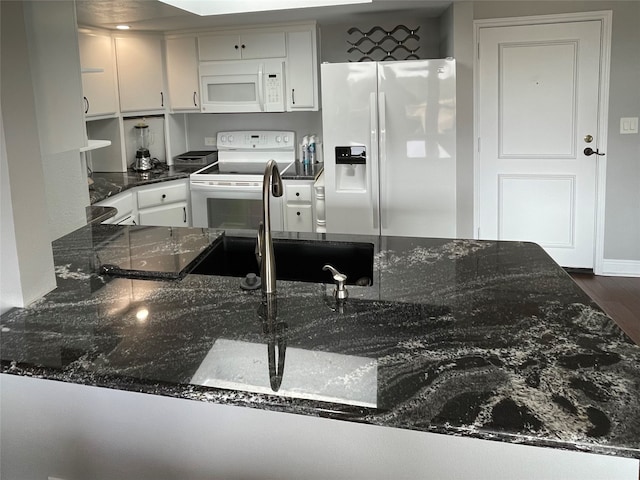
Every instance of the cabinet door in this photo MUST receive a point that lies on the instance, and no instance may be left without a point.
(98, 75)
(163, 194)
(182, 73)
(123, 202)
(140, 73)
(302, 73)
(173, 215)
(299, 218)
(263, 45)
(244, 46)
(219, 47)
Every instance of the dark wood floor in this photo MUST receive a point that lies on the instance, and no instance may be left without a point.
(619, 297)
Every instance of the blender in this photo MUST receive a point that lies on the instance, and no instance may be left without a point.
(143, 158)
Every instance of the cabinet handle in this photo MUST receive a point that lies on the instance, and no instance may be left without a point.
(293, 96)
(86, 102)
(243, 46)
(195, 104)
(184, 214)
(162, 99)
(298, 213)
(236, 47)
(297, 194)
(164, 195)
(134, 222)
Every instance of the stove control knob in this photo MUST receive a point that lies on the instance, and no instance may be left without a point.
(286, 139)
(223, 139)
(278, 139)
(230, 138)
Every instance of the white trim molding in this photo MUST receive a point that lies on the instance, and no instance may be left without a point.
(605, 17)
(620, 268)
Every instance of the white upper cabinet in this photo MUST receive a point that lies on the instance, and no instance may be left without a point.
(182, 73)
(140, 73)
(98, 74)
(237, 46)
(302, 70)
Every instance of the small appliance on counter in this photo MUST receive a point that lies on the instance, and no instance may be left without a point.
(143, 157)
(196, 158)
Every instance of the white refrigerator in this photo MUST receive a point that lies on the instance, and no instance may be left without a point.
(389, 137)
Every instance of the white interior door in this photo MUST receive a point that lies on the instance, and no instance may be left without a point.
(538, 102)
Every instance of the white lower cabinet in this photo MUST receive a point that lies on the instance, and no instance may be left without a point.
(162, 204)
(172, 215)
(124, 203)
(298, 207)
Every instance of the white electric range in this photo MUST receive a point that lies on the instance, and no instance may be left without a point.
(228, 193)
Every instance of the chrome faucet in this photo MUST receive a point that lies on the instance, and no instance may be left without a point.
(266, 258)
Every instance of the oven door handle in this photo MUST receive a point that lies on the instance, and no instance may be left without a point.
(221, 188)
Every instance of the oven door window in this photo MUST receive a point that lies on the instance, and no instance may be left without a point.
(234, 213)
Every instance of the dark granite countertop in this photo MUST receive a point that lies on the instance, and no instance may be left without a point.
(106, 184)
(303, 172)
(484, 339)
(97, 214)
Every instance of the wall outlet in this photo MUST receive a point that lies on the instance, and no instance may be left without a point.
(210, 141)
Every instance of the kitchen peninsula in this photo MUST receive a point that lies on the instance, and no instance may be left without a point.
(459, 356)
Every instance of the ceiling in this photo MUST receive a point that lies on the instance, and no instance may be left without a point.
(152, 15)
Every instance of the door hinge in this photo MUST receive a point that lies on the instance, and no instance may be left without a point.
(479, 139)
(478, 50)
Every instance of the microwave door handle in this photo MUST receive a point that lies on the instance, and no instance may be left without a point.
(261, 87)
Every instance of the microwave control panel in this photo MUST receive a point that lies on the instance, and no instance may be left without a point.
(273, 88)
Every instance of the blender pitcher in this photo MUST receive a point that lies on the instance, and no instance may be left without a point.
(143, 157)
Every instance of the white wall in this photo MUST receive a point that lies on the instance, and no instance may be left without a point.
(26, 246)
(54, 58)
(457, 42)
(10, 287)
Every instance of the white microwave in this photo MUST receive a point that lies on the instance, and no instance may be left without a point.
(242, 86)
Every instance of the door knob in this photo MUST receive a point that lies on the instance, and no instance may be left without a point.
(590, 151)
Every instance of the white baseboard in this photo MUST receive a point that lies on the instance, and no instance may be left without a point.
(621, 268)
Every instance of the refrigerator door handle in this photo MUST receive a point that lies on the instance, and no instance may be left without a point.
(372, 167)
(382, 153)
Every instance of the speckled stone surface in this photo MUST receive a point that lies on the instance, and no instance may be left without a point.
(483, 339)
(107, 184)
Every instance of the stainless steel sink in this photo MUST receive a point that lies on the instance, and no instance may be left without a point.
(297, 260)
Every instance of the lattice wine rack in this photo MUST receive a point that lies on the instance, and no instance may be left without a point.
(378, 44)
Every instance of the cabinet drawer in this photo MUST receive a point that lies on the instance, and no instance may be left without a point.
(122, 202)
(299, 218)
(298, 193)
(162, 195)
(175, 215)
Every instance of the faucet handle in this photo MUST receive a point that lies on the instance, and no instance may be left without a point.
(340, 278)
